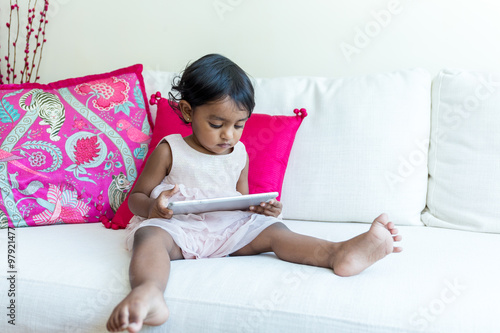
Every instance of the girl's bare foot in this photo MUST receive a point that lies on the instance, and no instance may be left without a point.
(355, 255)
(143, 305)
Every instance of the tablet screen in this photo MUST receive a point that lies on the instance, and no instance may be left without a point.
(240, 202)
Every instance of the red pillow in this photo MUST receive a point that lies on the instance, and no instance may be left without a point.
(268, 141)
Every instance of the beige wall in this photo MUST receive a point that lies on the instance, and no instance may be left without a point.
(271, 38)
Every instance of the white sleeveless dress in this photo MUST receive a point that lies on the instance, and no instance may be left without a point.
(201, 176)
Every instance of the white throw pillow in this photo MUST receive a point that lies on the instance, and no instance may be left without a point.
(361, 151)
(464, 155)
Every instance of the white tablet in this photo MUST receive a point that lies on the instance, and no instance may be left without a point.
(240, 202)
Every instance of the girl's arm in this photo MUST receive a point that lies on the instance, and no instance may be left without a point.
(157, 167)
(242, 184)
(271, 208)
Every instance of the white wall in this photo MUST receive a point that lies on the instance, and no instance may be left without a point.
(271, 38)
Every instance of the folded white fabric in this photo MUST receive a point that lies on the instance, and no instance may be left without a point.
(464, 155)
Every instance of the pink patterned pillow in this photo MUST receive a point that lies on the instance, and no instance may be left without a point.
(71, 150)
(268, 140)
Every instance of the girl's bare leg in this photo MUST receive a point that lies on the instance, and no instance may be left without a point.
(345, 258)
(149, 270)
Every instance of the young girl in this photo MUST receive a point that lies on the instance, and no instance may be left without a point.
(217, 98)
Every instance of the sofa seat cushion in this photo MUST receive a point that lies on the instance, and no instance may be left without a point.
(70, 277)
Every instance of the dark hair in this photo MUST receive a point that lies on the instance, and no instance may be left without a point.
(212, 78)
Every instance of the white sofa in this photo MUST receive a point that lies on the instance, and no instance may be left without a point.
(370, 144)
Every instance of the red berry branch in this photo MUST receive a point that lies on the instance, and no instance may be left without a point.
(35, 40)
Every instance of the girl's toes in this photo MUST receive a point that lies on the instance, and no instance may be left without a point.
(382, 218)
(134, 327)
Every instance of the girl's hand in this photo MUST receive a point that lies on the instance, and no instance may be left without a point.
(159, 207)
(271, 208)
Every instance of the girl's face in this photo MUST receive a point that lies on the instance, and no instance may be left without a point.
(217, 126)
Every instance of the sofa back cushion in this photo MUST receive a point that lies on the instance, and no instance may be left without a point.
(361, 151)
(464, 155)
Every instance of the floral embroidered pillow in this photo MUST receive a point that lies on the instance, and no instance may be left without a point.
(71, 150)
